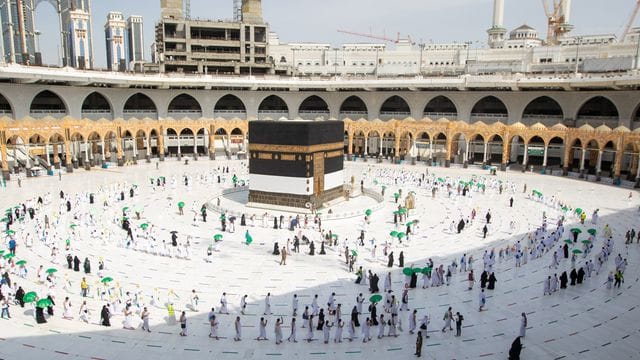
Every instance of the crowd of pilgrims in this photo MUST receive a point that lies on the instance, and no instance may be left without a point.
(38, 228)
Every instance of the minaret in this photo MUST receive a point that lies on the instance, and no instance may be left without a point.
(497, 31)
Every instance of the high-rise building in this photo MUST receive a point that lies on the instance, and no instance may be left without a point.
(18, 32)
(116, 38)
(135, 36)
(77, 31)
(208, 46)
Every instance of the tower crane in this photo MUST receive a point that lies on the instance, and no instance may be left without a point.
(555, 20)
(631, 20)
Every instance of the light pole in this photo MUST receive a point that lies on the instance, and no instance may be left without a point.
(578, 40)
(420, 63)
(466, 61)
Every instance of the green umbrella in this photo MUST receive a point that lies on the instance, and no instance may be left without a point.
(568, 241)
(375, 182)
(106, 279)
(30, 297)
(181, 204)
(125, 208)
(334, 236)
(396, 212)
(426, 270)
(21, 262)
(217, 237)
(43, 303)
(396, 195)
(578, 211)
(8, 256)
(368, 212)
(407, 271)
(410, 223)
(125, 218)
(5, 219)
(247, 237)
(73, 226)
(401, 235)
(383, 187)
(417, 270)
(10, 232)
(51, 270)
(1, 252)
(144, 226)
(393, 233)
(564, 208)
(576, 230)
(586, 242)
(354, 253)
(375, 298)
(440, 180)
(577, 251)
(592, 232)
(402, 211)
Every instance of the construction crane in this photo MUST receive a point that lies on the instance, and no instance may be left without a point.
(555, 21)
(631, 21)
(377, 37)
(187, 9)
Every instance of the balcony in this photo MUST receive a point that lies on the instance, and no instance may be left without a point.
(353, 115)
(489, 118)
(313, 114)
(181, 114)
(140, 114)
(440, 115)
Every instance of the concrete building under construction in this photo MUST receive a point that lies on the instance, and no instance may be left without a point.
(212, 46)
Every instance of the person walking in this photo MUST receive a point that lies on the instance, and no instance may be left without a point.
(283, 254)
(238, 328)
(183, 324)
(145, 319)
(292, 336)
(523, 324)
(448, 315)
(459, 319)
(482, 300)
(419, 344)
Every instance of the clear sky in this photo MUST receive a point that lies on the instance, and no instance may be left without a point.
(318, 20)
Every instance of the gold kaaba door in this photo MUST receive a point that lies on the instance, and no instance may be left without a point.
(318, 173)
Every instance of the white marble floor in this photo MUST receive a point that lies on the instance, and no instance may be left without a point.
(584, 321)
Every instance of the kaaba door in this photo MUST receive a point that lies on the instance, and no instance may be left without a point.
(318, 173)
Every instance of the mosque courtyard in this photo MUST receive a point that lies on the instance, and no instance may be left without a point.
(585, 321)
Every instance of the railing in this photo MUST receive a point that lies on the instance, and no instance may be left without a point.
(354, 115)
(313, 114)
(42, 113)
(488, 117)
(440, 115)
(230, 114)
(140, 113)
(179, 114)
(97, 114)
(389, 115)
(272, 114)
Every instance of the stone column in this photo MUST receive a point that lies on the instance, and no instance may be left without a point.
(5, 164)
(229, 144)
(46, 153)
(484, 157)
(637, 171)
(350, 146)
(56, 157)
(396, 149)
(430, 151)
(161, 146)
(87, 165)
(599, 165)
(119, 153)
(465, 155)
(582, 159)
(568, 152)
(148, 155)
(544, 159)
(179, 149)
(617, 163)
(212, 146)
(195, 147)
(525, 157)
(67, 152)
(135, 150)
(104, 159)
(505, 155)
(449, 144)
(366, 146)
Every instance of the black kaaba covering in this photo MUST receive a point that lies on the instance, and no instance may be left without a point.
(304, 133)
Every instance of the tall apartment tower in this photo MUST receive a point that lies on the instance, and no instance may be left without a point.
(18, 32)
(77, 31)
(116, 38)
(135, 36)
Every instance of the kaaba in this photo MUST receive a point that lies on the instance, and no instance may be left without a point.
(295, 163)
